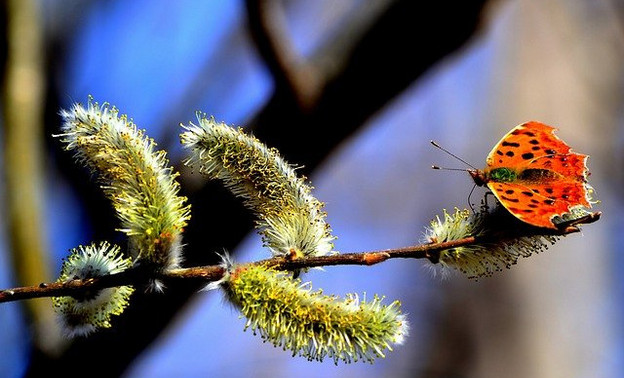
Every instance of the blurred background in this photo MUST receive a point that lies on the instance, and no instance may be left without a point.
(352, 91)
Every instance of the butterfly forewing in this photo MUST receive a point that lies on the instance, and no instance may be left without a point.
(524, 143)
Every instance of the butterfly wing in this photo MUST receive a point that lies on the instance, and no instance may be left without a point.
(551, 178)
(538, 204)
(524, 143)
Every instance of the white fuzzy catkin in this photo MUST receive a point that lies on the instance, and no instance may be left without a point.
(134, 176)
(80, 316)
(501, 240)
(291, 220)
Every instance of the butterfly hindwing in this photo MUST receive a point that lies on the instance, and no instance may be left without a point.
(538, 204)
(571, 165)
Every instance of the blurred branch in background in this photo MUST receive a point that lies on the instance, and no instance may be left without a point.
(355, 71)
(306, 79)
(23, 104)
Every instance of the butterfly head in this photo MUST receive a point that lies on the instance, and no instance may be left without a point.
(479, 176)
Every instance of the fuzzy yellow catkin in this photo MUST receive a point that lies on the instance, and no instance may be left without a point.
(134, 176)
(80, 316)
(501, 240)
(291, 220)
(310, 324)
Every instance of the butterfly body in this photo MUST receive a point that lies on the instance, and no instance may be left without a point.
(535, 175)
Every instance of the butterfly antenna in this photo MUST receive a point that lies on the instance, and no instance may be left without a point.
(449, 169)
(435, 144)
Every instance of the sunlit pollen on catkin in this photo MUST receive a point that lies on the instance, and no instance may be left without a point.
(292, 316)
(80, 316)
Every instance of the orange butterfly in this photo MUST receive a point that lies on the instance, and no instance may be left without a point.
(535, 175)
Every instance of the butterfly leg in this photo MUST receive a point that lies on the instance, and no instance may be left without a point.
(469, 203)
(485, 204)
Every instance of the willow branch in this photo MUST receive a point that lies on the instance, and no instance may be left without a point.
(140, 275)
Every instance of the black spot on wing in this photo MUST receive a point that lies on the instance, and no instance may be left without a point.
(510, 199)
